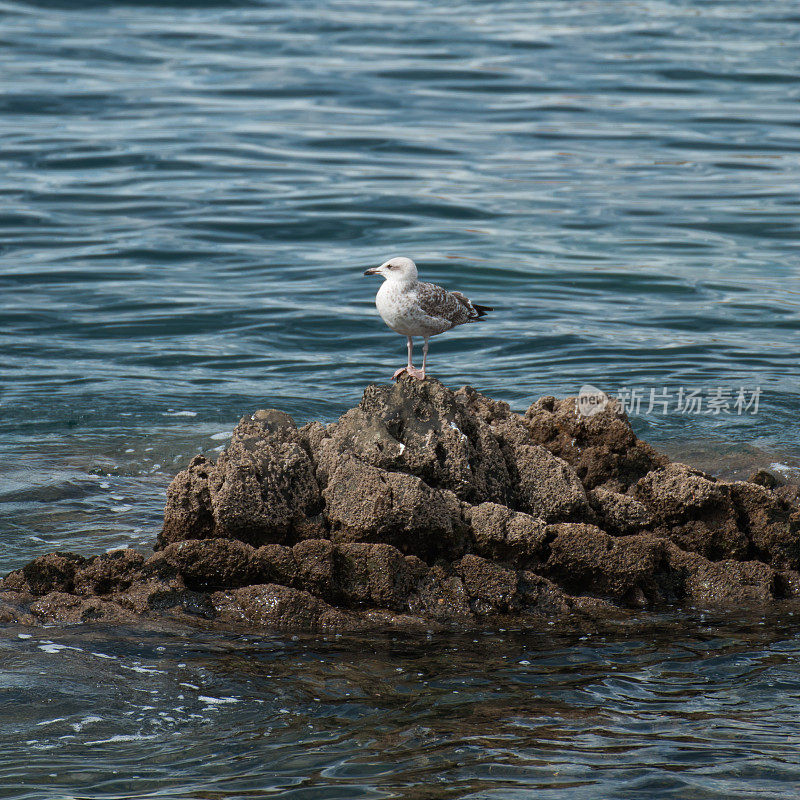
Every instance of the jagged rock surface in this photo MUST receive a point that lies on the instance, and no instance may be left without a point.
(423, 506)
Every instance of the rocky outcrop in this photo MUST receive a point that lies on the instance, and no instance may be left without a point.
(424, 507)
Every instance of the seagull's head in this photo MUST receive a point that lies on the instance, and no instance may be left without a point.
(396, 269)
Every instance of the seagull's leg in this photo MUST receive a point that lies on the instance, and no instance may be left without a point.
(410, 368)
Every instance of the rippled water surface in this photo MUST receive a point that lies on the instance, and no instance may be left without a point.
(648, 710)
(189, 193)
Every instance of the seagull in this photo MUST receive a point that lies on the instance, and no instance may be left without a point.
(413, 308)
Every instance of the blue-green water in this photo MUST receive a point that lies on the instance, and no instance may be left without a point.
(189, 195)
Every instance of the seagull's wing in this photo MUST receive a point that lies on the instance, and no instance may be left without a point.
(454, 307)
(439, 303)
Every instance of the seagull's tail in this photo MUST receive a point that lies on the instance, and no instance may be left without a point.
(481, 311)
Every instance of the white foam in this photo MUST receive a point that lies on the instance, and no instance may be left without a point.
(178, 413)
(214, 701)
(780, 467)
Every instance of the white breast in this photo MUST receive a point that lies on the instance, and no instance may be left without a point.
(397, 304)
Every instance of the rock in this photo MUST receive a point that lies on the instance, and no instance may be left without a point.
(506, 535)
(728, 582)
(771, 524)
(426, 509)
(763, 477)
(602, 449)
(541, 484)
(205, 565)
(441, 596)
(314, 559)
(367, 504)
(108, 573)
(54, 572)
(67, 608)
(375, 575)
(277, 607)
(693, 510)
(619, 514)
(489, 586)
(261, 490)
(420, 428)
(275, 563)
(542, 596)
(188, 513)
(628, 569)
(546, 486)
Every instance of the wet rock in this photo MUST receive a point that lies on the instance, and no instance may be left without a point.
(54, 572)
(489, 586)
(502, 534)
(108, 573)
(693, 510)
(629, 569)
(314, 559)
(276, 607)
(619, 514)
(424, 509)
(540, 595)
(745, 583)
(763, 477)
(275, 563)
(208, 564)
(367, 504)
(441, 595)
(602, 449)
(158, 598)
(14, 608)
(771, 524)
(375, 575)
(68, 608)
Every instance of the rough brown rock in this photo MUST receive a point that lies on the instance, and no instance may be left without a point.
(742, 583)
(261, 490)
(602, 449)
(502, 534)
(546, 486)
(54, 572)
(419, 428)
(188, 513)
(489, 586)
(619, 514)
(109, 572)
(368, 504)
(771, 524)
(630, 569)
(693, 510)
(280, 607)
(375, 575)
(208, 564)
(440, 595)
(423, 508)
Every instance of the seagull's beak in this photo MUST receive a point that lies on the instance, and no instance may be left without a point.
(371, 271)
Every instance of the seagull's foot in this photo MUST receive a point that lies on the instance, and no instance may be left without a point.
(412, 371)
